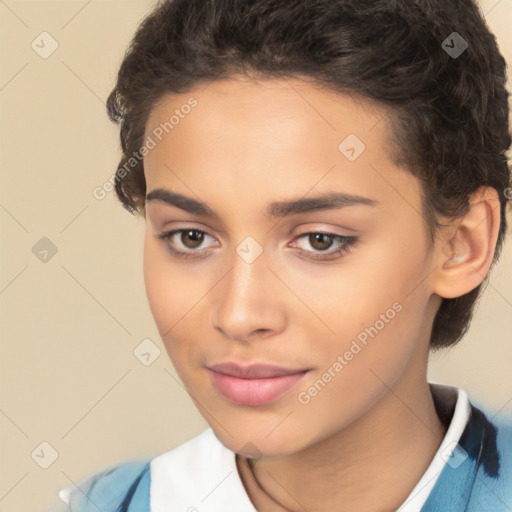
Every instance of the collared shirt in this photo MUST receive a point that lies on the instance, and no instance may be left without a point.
(471, 471)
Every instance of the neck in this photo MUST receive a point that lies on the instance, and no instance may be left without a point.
(377, 459)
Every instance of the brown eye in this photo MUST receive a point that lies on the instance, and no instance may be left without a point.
(320, 241)
(192, 238)
(186, 243)
(322, 245)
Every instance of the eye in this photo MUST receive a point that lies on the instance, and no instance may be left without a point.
(321, 242)
(190, 239)
(188, 242)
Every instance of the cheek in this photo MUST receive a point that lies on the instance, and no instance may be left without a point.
(169, 290)
(170, 300)
(350, 297)
(358, 366)
(376, 307)
(176, 295)
(155, 281)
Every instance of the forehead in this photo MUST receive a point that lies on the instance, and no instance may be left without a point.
(277, 137)
(300, 106)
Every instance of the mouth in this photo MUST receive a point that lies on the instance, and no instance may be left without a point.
(254, 385)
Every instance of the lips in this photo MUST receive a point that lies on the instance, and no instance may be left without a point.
(253, 385)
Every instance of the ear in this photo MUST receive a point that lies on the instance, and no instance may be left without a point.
(465, 255)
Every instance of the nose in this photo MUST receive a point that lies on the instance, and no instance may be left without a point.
(247, 304)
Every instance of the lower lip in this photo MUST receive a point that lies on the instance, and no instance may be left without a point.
(254, 392)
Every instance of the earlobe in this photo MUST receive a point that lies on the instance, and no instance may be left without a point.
(463, 262)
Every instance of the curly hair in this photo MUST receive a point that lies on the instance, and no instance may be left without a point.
(449, 114)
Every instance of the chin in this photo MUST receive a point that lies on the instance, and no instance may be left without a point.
(259, 445)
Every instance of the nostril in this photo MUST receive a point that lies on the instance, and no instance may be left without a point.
(259, 333)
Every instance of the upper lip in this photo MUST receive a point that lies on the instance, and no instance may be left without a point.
(254, 371)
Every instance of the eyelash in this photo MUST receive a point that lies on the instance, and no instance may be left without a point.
(347, 243)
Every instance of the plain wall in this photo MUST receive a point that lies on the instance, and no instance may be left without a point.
(70, 325)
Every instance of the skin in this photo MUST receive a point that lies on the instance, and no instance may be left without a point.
(372, 431)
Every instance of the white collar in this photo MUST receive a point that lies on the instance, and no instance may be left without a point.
(201, 474)
(423, 488)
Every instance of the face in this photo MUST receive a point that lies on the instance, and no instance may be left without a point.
(291, 281)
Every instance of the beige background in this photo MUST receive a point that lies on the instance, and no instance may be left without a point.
(70, 325)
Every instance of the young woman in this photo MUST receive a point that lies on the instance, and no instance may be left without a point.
(324, 186)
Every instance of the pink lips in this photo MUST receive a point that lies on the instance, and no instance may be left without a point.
(253, 385)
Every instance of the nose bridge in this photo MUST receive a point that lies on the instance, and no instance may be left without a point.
(246, 303)
(245, 282)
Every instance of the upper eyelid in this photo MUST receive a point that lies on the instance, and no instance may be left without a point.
(172, 232)
(326, 231)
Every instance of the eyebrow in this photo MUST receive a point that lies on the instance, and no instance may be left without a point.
(276, 209)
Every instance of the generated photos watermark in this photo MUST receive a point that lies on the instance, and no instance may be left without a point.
(357, 345)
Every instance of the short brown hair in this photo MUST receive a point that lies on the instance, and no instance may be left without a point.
(450, 111)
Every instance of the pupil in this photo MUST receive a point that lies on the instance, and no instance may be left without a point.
(196, 240)
(325, 240)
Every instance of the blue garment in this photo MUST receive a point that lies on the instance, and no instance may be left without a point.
(476, 478)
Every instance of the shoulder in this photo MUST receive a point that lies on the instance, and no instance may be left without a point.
(496, 442)
(503, 433)
(477, 475)
(109, 488)
(493, 483)
(125, 487)
(503, 427)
